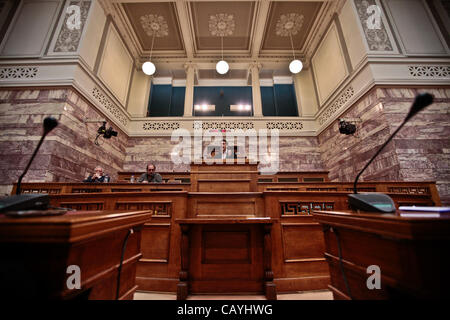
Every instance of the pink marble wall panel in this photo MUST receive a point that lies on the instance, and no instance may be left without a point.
(68, 152)
(423, 145)
(21, 115)
(420, 151)
(296, 154)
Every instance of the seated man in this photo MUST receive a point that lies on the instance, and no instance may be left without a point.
(225, 153)
(98, 176)
(150, 175)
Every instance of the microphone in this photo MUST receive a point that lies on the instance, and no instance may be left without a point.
(29, 201)
(49, 124)
(379, 202)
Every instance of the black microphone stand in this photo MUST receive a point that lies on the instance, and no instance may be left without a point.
(18, 190)
(375, 155)
(49, 124)
(378, 202)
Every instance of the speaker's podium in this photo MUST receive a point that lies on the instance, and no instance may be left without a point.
(226, 244)
(226, 255)
(228, 175)
(387, 256)
(44, 257)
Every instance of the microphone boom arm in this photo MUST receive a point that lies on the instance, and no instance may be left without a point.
(375, 155)
(29, 163)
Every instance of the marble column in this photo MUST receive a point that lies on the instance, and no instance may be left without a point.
(189, 95)
(256, 90)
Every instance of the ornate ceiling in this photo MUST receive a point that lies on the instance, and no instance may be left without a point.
(176, 32)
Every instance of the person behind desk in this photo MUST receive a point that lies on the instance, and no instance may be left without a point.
(150, 175)
(98, 176)
(225, 153)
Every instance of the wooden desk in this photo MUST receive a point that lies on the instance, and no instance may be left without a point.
(36, 252)
(231, 255)
(410, 252)
(54, 188)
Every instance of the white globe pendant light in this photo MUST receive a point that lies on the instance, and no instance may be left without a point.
(295, 66)
(148, 68)
(222, 67)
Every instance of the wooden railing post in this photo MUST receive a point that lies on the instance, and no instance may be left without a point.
(182, 286)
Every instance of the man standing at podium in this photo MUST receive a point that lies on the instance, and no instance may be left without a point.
(225, 153)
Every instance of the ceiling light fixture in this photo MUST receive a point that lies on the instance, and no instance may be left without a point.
(148, 67)
(296, 65)
(222, 66)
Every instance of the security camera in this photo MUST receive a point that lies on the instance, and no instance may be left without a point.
(346, 127)
(110, 133)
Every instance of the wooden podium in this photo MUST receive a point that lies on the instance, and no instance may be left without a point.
(229, 175)
(411, 253)
(226, 255)
(37, 251)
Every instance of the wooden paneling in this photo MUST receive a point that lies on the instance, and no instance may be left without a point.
(204, 208)
(216, 185)
(69, 187)
(37, 251)
(302, 242)
(226, 247)
(236, 204)
(403, 193)
(226, 256)
(410, 252)
(297, 241)
(156, 242)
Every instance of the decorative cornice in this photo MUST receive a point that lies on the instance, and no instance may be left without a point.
(345, 96)
(284, 125)
(101, 98)
(161, 125)
(18, 72)
(429, 71)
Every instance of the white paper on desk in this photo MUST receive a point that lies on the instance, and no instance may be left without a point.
(419, 215)
(424, 209)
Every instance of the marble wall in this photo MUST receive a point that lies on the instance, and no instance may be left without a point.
(68, 152)
(420, 151)
(296, 154)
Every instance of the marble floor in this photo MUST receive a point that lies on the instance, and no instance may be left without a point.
(303, 295)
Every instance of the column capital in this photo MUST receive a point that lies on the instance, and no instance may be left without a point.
(189, 65)
(255, 65)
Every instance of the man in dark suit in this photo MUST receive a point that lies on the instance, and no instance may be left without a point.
(225, 153)
(97, 176)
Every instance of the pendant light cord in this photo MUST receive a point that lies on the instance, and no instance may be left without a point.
(292, 44)
(151, 50)
(221, 40)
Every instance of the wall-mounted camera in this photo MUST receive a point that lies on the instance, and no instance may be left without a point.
(346, 127)
(102, 131)
(107, 133)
